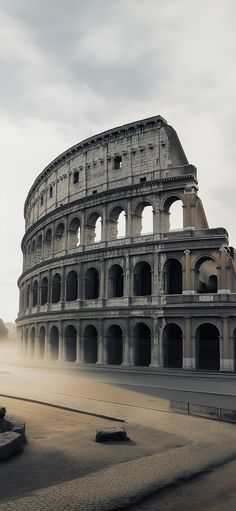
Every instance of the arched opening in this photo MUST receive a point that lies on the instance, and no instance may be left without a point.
(48, 243)
(142, 345)
(32, 339)
(172, 214)
(44, 291)
(207, 347)
(54, 343)
(42, 336)
(114, 345)
(71, 286)
(117, 224)
(94, 228)
(173, 277)
(143, 219)
(59, 237)
(91, 287)
(39, 246)
(206, 280)
(35, 294)
(56, 288)
(173, 346)
(90, 345)
(142, 279)
(28, 296)
(74, 234)
(115, 281)
(70, 343)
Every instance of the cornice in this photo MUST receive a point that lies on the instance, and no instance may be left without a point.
(85, 145)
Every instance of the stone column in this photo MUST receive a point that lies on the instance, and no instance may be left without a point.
(129, 220)
(82, 228)
(102, 352)
(223, 278)
(36, 346)
(156, 282)
(155, 353)
(47, 343)
(66, 241)
(187, 345)
(125, 361)
(61, 354)
(104, 224)
(102, 279)
(187, 285)
(78, 343)
(127, 277)
(63, 286)
(226, 360)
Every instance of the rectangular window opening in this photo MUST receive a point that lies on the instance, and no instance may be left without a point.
(142, 179)
(117, 162)
(76, 177)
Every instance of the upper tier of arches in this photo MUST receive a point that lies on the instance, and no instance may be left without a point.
(130, 218)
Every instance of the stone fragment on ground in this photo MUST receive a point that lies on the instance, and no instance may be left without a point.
(12, 435)
(114, 434)
(10, 443)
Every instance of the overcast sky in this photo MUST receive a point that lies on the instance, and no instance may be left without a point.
(73, 68)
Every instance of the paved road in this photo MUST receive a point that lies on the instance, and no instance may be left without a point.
(143, 401)
(154, 390)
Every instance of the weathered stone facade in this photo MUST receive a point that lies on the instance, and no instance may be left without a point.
(163, 298)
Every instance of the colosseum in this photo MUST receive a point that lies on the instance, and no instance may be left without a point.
(106, 278)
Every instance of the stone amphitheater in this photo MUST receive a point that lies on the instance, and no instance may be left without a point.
(106, 279)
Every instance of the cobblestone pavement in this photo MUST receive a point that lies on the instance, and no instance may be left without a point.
(125, 483)
(208, 443)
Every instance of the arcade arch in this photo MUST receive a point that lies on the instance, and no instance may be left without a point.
(206, 275)
(70, 343)
(172, 273)
(90, 344)
(54, 343)
(207, 347)
(72, 286)
(172, 346)
(142, 284)
(91, 284)
(115, 281)
(114, 345)
(142, 345)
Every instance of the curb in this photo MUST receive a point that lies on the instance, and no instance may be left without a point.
(63, 407)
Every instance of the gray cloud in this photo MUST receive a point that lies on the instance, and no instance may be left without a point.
(72, 68)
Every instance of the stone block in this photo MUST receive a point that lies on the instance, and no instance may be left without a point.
(2, 412)
(10, 443)
(115, 434)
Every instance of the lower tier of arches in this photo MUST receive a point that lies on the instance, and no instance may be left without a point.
(203, 345)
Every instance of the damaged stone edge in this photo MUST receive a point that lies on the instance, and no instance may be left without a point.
(210, 412)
